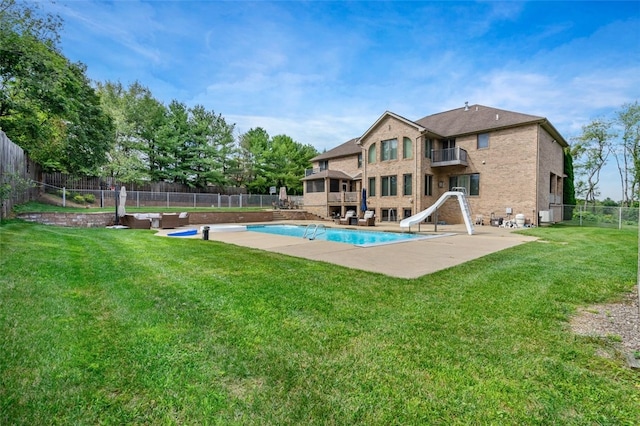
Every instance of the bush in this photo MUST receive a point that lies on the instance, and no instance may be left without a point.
(90, 198)
(79, 199)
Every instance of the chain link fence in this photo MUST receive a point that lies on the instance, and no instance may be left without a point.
(600, 216)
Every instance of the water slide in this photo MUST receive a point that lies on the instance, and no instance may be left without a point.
(464, 207)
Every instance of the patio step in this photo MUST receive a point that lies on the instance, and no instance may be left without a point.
(278, 215)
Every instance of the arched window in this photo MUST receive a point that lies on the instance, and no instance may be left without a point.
(372, 154)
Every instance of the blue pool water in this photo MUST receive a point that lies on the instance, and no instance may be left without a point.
(347, 236)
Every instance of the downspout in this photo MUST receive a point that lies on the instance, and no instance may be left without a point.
(417, 199)
(365, 183)
(537, 212)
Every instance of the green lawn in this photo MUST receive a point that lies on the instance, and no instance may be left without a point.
(103, 326)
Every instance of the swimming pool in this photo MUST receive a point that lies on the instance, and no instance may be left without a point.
(347, 236)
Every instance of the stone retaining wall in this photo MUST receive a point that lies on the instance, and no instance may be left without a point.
(81, 220)
(90, 220)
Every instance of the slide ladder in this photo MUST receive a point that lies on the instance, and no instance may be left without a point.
(466, 213)
(462, 201)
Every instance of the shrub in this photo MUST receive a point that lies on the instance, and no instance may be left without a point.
(90, 198)
(78, 199)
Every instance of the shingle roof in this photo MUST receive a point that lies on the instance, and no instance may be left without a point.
(474, 119)
(346, 149)
(457, 122)
(397, 117)
(480, 118)
(333, 174)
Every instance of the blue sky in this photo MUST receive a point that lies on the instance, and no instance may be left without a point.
(322, 72)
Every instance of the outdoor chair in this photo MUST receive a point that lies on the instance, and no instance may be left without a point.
(369, 219)
(346, 219)
(169, 221)
(136, 221)
(183, 219)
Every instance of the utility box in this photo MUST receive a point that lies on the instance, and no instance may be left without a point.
(546, 216)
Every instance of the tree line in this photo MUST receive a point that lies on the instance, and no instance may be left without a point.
(604, 139)
(66, 123)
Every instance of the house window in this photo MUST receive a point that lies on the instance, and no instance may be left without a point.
(372, 154)
(406, 184)
(428, 147)
(448, 150)
(407, 148)
(323, 164)
(316, 185)
(389, 186)
(372, 187)
(483, 140)
(334, 185)
(470, 182)
(360, 160)
(428, 185)
(389, 150)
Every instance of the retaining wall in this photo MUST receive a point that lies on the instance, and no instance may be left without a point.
(89, 220)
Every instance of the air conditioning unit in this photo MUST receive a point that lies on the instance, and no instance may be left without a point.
(546, 216)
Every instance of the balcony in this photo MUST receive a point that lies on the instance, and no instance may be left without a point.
(449, 157)
(309, 172)
(343, 197)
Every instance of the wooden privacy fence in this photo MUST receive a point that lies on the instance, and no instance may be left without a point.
(17, 171)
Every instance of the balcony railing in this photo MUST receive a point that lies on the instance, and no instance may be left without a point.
(449, 157)
(343, 197)
(309, 172)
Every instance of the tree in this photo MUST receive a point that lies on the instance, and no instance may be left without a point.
(277, 161)
(628, 153)
(175, 135)
(288, 160)
(125, 161)
(591, 151)
(254, 145)
(137, 154)
(568, 190)
(47, 104)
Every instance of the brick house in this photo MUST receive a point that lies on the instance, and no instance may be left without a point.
(509, 163)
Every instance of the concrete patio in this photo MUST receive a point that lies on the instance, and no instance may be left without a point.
(410, 259)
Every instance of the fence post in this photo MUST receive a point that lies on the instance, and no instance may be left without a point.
(64, 196)
(194, 200)
(580, 214)
(219, 201)
(240, 202)
(619, 217)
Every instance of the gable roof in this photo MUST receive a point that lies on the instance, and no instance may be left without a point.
(480, 118)
(346, 149)
(397, 117)
(457, 122)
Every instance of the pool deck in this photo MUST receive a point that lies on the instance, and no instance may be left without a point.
(410, 259)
